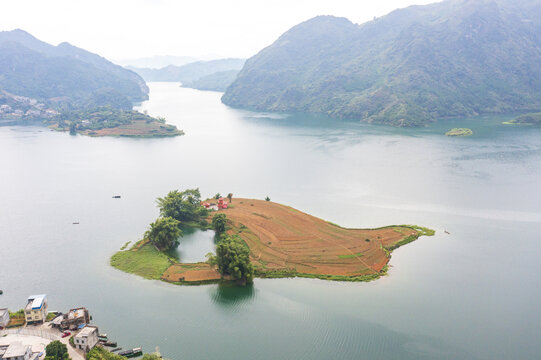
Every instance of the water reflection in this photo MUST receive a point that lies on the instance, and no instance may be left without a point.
(231, 295)
(194, 245)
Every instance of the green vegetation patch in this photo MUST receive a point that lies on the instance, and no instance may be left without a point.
(459, 132)
(350, 256)
(526, 119)
(146, 262)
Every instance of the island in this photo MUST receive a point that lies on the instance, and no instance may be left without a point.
(459, 132)
(281, 242)
(108, 121)
(526, 119)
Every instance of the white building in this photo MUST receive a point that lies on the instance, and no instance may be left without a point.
(16, 351)
(87, 338)
(36, 309)
(4, 318)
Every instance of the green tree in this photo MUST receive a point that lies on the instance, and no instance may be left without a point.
(217, 196)
(56, 351)
(219, 222)
(230, 197)
(182, 205)
(164, 233)
(267, 198)
(211, 259)
(233, 259)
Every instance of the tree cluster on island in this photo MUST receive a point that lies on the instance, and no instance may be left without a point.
(184, 207)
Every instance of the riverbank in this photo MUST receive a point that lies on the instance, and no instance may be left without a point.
(283, 242)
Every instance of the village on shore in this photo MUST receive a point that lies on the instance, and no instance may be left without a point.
(24, 334)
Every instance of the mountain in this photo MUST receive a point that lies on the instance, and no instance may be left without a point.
(64, 74)
(408, 68)
(157, 62)
(218, 81)
(189, 72)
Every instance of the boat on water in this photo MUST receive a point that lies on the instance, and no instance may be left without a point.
(102, 336)
(75, 223)
(116, 349)
(108, 343)
(116, 196)
(131, 353)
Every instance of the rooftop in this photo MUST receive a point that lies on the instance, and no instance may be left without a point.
(36, 301)
(87, 330)
(16, 349)
(3, 311)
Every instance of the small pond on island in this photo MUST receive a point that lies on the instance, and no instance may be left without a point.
(194, 245)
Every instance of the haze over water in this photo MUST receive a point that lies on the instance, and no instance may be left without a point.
(470, 294)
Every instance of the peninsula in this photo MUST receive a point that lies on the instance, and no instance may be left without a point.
(282, 242)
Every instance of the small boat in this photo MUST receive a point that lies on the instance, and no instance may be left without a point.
(110, 343)
(116, 197)
(116, 349)
(102, 336)
(1, 292)
(131, 353)
(75, 223)
(447, 232)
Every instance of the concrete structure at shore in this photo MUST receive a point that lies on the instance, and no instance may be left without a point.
(35, 310)
(74, 319)
(87, 338)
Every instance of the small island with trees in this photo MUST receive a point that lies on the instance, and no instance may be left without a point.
(260, 238)
(459, 132)
(108, 121)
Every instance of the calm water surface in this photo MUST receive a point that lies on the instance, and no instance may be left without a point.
(472, 294)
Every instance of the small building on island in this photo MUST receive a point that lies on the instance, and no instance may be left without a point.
(35, 310)
(87, 338)
(215, 207)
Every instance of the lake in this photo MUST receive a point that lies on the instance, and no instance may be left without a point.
(470, 294)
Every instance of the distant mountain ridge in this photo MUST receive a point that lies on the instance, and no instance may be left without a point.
(408, 68)
(218, 81)
(156, 62)
(64, 74)
(189, 72)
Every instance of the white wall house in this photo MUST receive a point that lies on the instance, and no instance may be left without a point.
(87, 338)
(36, 309)
(17, 351)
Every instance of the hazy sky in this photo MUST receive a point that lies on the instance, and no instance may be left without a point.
(119, 29)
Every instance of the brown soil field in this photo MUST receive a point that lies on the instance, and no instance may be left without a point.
(281, 238)
(285, 242)
(198, 272)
